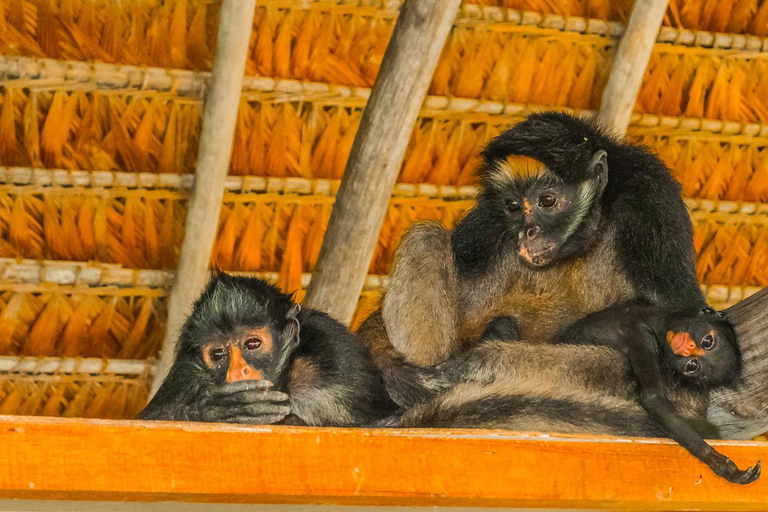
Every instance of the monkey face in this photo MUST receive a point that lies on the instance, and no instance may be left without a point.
(551, 218)
(241, 329)
(702, 349)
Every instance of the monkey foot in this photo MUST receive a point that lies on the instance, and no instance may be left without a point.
(736, 476)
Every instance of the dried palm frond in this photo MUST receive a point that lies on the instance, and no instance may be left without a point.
(79, 321)
(310, 136)
(74, 395)
(485, 59)
(282, 232)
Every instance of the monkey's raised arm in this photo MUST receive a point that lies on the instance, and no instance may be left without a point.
(647, 370)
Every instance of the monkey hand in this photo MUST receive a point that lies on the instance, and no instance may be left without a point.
(249, 401)
(503, 328)
(733, 474)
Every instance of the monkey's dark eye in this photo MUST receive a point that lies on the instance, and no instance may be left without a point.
(252, 343)
(692, 366)
(547, 200)
(513, 205)
(708, 342)
(217, 354)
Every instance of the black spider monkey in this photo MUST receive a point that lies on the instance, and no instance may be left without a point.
(669, 350)
(596, 376)
(583, 222)
(249, 354)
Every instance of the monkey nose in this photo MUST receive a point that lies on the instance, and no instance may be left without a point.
(532, 231)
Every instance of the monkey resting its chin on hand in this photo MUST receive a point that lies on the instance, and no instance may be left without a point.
(249, 354)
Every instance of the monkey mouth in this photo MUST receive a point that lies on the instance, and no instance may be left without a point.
(539, 258)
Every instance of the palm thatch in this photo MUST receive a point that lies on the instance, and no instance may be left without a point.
(74, 395)
(99, 156)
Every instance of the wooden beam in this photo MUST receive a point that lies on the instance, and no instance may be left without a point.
(223, 98)
(743, 413)
(75, 459)
(377, 153)
(629, 64)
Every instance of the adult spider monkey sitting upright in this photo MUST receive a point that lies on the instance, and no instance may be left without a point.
(583, 222)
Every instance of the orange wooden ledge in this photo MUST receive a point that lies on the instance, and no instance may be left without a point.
(74, 459)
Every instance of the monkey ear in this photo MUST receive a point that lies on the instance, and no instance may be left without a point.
(293, 312)
(293, 328)
(709, 310)
(598, 167)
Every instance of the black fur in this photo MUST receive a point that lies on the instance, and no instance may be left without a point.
(192, 392)
(642, 200)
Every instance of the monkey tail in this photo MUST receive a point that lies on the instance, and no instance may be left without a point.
(408, 384)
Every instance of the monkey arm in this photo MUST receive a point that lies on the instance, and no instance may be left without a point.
(647, 370)
(184, 396)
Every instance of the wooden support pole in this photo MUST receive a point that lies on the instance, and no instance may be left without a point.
(743, 412)
(377, 153)
(223, 98)
(629, 65)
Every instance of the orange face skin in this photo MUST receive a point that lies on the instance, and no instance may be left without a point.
(527, 206)
(683, 345)
(239, 369)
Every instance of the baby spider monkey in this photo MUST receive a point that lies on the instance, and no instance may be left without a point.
(667, 351)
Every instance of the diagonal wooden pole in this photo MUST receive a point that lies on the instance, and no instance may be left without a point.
(377, 153)
(223, 98)
(629, 65)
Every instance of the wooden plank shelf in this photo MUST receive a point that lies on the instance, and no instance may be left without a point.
(76, 459)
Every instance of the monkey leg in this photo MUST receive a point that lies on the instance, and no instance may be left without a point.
(251, 402)
(420, 309)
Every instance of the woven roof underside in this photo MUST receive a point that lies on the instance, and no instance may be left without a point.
(100, 118)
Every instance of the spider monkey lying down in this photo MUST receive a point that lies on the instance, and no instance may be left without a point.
(248, 354)
(674, 357)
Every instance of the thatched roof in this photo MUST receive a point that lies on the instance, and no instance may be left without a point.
(97, 156)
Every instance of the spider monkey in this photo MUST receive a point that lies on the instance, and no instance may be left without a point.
(568, 221)
(249, 354)
(669, 350)
(627, 370)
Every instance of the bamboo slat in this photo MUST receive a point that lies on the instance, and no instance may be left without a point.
(282, 232)
(139, 132)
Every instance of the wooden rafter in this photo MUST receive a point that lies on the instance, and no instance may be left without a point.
(377, 153)
(235, 27)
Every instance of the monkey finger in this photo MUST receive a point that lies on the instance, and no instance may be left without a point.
(751, 474)
(231, 388)
(264, 419)
(260, 409)
(253, 397)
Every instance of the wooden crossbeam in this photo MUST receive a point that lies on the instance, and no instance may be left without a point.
(75, 459)
(629, 64)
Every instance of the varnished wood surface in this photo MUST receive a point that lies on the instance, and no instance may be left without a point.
(74, 459)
